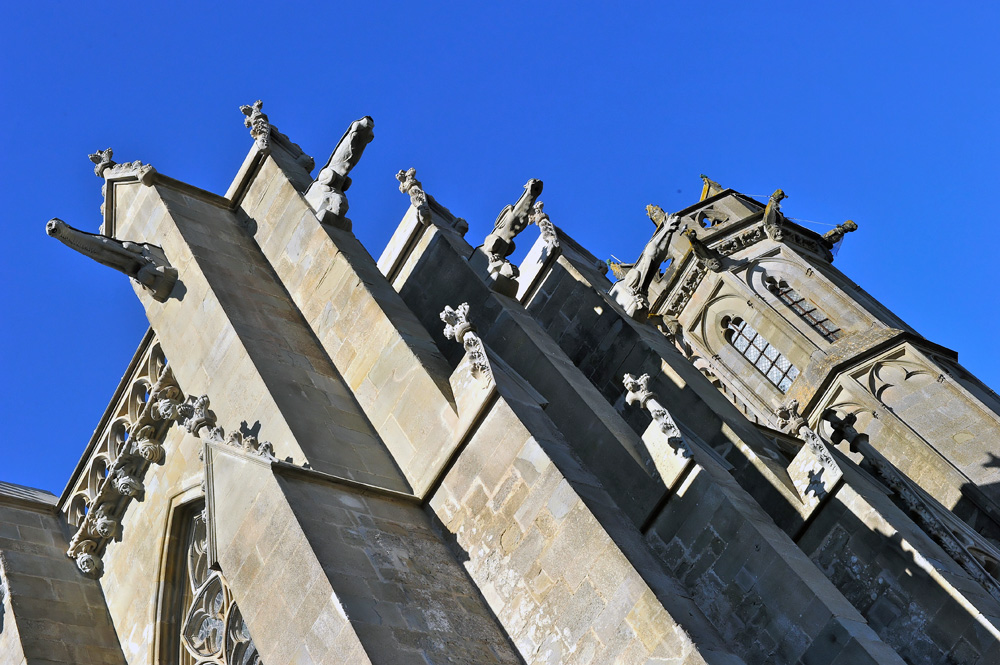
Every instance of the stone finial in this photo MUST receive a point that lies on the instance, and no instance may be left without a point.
(789, 419)
(540, 218)
(833, 236)
(702, 252)
(772, 215)
(458, 328)
(256, 121)
(638, 392)
(144, 263)
(408, 184)
(632, 292)
(326, 193)
(709, 187)
(102, 161)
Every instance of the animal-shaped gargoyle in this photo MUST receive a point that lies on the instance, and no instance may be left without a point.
(512, 220)
(326, 193)
(144, 263)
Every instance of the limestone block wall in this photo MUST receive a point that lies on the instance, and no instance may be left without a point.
(565, 573)
(50, 613)
(605, 344)
(438, 274)
(910, 591)
(327, 572)
(251, 348)
(385, 355)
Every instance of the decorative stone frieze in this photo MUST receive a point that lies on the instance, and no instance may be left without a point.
(458, 328)
(935, 519)
(146, 264)
(326, 194)
(107, 168)
(686, 287)
(638, 392)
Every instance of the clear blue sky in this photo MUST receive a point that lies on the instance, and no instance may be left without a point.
(885, 113)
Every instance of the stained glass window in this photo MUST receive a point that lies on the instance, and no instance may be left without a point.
(767, 359)
(808, 311)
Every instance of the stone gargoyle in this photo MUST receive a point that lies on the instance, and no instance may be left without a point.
(144, 263)
(326, 193)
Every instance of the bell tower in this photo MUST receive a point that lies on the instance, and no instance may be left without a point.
(754, 301)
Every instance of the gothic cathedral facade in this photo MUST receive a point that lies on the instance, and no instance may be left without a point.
(729, 454)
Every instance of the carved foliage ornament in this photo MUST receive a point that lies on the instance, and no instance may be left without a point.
(458, 328)
(256, 121)
(143, 447)
(638, 392)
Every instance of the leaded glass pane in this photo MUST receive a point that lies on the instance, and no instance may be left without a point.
(771, 352)
(759, 342)
(741, 343)
(785, 384)
(793, 372)
(763, 363)
(752, 354)
(775, 376)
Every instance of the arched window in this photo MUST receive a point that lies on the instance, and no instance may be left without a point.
(207, 626)
(808, 311)
(761, 354)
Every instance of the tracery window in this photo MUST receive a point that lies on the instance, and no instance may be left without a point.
(808, 311)
(212, 629)
(761, 354)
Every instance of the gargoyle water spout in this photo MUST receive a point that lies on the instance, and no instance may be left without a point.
(144, 263)
(326, 193)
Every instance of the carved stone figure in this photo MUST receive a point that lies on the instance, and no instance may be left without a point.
(500, 243)
(144, 263)
(632, 292)
(326, 193)
(833, 236)
(772, 215)
(702, 252)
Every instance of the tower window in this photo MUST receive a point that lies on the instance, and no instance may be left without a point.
(808, 311)
(761, 354)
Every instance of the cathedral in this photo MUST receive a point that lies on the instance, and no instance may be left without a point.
(726, 452)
